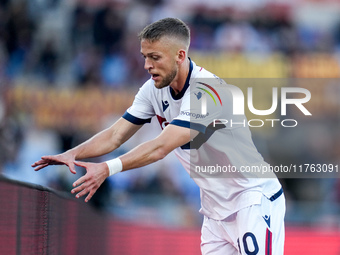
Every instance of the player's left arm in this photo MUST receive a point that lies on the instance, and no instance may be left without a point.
(146, 153)
(172, 136)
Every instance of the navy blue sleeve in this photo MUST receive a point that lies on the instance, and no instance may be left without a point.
(182, 123)
(135, 120)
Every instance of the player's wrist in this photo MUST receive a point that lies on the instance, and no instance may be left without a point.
(115, 166)
(71, 154)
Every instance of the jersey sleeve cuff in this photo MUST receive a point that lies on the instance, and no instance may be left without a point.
(182, 123)
(135, 120)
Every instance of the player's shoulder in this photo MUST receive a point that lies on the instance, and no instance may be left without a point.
(204, 80)
(201, 72)
(201, 75)
(147, 91)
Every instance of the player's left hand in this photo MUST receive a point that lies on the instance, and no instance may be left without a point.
(96, 173)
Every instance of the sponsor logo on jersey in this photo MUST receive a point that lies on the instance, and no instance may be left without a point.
(165, 105)
(267, 219)
(194, 115)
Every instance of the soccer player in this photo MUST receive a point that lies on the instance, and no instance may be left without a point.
(243, 214)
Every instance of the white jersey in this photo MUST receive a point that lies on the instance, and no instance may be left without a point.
(218, 157)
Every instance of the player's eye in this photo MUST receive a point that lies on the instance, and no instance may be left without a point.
(155, 57)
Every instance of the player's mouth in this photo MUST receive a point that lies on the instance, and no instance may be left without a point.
(155, 76)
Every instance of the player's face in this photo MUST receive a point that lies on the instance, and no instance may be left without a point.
(160, 61)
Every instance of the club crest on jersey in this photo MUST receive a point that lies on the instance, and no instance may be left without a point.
(212, 95)
(203, 96)
(198, 95)
(165, 105)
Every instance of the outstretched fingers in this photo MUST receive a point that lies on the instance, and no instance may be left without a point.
(81, 191)
(71, 167)
(53, 160)
(45, 161)
(89, 183)
(84, 186)
(37, 167)
(89, 196)
(39, 162)
(81, 186)
(79, 182)
(60, 159)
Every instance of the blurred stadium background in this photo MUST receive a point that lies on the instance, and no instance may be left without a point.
(69, 68)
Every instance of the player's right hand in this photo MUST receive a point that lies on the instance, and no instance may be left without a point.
(60, 159)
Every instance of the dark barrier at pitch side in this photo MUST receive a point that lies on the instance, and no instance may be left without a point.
(35, 220)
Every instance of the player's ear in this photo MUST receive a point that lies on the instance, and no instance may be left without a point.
(181, 56)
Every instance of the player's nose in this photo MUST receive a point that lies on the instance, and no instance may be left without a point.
(147, 64)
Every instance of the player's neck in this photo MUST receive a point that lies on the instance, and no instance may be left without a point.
(183, 70)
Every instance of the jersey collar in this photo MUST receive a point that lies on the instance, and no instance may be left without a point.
(186, 85)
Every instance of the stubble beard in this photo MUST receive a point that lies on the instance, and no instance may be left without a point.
(167, 79)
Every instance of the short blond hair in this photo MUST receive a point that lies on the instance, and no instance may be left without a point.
(167, 27)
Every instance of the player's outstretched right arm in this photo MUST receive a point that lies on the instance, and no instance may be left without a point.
(100, 144)
(65, 158)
